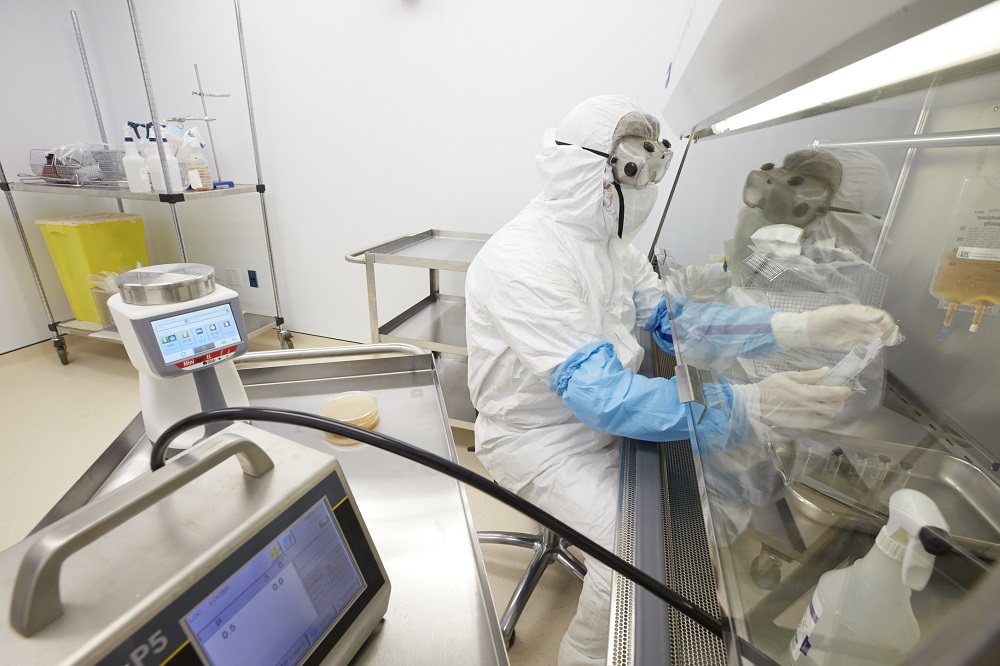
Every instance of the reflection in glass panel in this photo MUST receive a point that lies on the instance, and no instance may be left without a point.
(818, 497)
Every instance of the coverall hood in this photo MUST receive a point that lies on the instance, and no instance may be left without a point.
(861, 196)
(860, 200)
(575, 193)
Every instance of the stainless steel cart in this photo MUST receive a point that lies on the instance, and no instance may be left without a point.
(436, 322)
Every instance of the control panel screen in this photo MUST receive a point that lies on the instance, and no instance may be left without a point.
(278, 605)
(198, 334)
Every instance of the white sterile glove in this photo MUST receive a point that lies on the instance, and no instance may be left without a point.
(839, 327)
(791, 400)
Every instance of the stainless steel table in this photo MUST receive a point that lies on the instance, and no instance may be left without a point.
(440, 611)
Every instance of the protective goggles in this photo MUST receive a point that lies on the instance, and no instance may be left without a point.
(636, 161)
(786, 197)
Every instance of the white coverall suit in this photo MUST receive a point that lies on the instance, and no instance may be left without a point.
(551, 281)
(552, 304)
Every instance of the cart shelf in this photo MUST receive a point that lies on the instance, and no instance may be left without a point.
(125, 193)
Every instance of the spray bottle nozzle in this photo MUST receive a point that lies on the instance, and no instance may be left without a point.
(915, 513)
(936, 541)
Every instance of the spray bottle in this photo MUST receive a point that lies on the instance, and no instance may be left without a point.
(155, 166)
(861, 614)
(136, 171)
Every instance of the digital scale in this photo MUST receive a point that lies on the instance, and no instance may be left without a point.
(202, 562)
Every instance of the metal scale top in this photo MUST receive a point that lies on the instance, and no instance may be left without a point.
(166, 284)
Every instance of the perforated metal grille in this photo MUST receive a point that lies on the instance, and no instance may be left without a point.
(622, 643)
(688, 565)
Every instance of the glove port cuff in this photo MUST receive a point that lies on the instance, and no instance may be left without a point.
(789, 330)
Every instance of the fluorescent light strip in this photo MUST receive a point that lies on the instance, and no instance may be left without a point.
(958, 41)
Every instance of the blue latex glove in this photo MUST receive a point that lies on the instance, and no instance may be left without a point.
(713, 330)
(606, 396)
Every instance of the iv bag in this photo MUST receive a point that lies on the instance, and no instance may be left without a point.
(968, 276)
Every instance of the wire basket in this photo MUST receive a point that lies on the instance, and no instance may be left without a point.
(795, 291)
(87, 166)
(791, 290)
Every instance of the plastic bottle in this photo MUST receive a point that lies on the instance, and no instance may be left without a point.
(173, 169)
(136, 171)
(861, 614)
(156, 168)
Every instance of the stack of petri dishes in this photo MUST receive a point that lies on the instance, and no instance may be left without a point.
(357, 408)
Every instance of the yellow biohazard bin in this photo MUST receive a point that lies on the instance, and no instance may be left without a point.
(83, 245)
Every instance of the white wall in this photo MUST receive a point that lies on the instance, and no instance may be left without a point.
(375, 119)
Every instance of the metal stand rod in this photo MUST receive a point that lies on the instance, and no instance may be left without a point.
(156, 123)
(260, 178)
(904, 174)
(177, 229)
(93, 91)
(960, 139)
(28, 255)
(670, 198)
(208, 124)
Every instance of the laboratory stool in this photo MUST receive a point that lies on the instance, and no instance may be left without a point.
(548, 547)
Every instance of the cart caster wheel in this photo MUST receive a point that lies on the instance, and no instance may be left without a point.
(63, 355)
(766, 571)
(285, 337)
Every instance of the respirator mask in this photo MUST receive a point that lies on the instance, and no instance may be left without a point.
(636, 161)
(639, 162)
(786, 197)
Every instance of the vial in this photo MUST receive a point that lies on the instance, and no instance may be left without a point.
(903, 471)
(832, 464)
(860, 463)
(804, 456)
(877, 469)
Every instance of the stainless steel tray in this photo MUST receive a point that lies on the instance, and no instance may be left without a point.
(440, 610)
(968, 498)
(434, 248)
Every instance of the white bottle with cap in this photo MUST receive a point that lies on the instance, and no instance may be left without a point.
(156, 168)
(136, 171)
(861, 614)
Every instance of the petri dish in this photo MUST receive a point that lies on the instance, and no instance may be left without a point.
(358, 408)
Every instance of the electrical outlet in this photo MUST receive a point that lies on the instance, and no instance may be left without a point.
(253, 278)
(233, 277)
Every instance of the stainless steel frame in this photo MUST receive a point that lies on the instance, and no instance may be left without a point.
(255, 322)
(437, 321)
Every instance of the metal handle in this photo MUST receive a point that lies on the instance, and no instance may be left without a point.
(35, 603)
(328, 352)
(358, 257)
(958, 139)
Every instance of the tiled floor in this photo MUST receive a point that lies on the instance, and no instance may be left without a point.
(55, 420)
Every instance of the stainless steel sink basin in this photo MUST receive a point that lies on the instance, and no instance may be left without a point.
(829, 489)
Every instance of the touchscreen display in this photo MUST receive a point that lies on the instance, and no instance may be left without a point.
(283, 601)
(196, 333)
